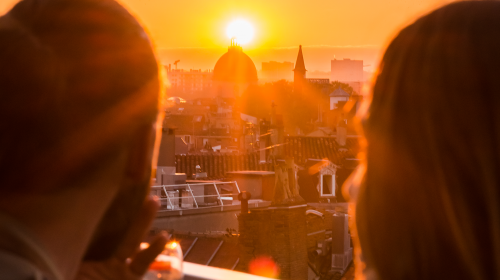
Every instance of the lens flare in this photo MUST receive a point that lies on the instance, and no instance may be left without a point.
(264, 266)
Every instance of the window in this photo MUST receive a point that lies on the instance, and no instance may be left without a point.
(187, 139)
(327, 186)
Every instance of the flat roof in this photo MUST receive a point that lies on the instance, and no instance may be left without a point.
(250, 172)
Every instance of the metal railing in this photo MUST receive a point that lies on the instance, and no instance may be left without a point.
(197, 195)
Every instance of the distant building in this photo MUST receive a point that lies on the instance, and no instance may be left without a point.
(209, 124)
(188, 84)
(233, 72)
(347, 70)
(274, 71)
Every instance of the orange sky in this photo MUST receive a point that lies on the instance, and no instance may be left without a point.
(181, 28)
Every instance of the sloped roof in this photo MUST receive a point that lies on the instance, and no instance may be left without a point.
(302, 148)
(339, 93)
(217, 165)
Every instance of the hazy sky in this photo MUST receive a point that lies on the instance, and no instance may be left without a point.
(183, 29)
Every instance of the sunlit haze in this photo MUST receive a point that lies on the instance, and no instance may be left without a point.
(241, 30)
(194, 32)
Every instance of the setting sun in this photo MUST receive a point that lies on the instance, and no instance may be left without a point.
(241, 30)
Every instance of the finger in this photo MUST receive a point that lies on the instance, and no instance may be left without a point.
(138, 229)
(144, 258)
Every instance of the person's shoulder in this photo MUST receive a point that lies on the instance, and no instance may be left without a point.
(13, 267)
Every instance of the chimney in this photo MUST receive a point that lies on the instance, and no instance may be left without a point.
(276, 232)
(166, 155)
(244, 196)
(341, 243)
(341, 131)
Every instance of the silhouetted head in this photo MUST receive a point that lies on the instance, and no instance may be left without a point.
(78, 84)
(429, 204)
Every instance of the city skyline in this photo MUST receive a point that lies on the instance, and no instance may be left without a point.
(355, 29)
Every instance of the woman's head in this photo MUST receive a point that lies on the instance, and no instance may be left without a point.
(77, 79)
(429, 206)
(79, 90)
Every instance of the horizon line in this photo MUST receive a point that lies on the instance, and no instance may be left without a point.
(282, 48)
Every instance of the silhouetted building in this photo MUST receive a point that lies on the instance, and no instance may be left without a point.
(299, 75)
(233, 72)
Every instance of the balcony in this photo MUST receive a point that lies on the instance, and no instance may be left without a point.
(199, 198)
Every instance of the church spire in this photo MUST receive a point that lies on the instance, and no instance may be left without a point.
(299, 64)
(299, 75)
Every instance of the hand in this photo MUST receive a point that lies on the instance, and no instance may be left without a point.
(129, 262)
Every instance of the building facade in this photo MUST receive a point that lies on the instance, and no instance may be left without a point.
(347, 70)
(188, 84)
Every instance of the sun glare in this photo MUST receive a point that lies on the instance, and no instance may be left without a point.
(241, 30)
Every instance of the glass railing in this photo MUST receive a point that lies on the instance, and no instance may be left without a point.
(196, 195)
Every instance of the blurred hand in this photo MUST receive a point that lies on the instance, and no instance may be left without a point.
(129, 262)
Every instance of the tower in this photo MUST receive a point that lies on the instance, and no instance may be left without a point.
(299, 76)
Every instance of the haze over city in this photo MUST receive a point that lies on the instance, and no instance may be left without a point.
(195, 31)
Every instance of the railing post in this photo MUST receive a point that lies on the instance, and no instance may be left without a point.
(168, 197)
(218, 195)
(191, 192)
(238, 188)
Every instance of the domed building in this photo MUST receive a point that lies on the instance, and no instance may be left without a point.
(233, 72)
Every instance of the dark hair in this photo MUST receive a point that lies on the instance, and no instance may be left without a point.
(429, 203)
(71, 74)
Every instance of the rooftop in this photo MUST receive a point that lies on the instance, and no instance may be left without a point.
(339, 93)
(302, 148)
(251, 172)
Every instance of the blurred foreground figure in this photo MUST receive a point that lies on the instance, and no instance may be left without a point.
(79, 91)
(428, 206)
